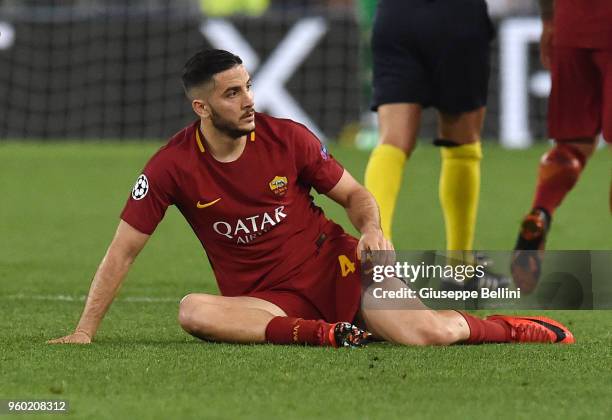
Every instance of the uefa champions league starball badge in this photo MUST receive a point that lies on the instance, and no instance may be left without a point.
(141, 188)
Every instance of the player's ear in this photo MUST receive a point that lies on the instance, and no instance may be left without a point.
(201, 108)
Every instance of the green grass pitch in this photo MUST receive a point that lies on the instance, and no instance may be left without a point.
(58, 210)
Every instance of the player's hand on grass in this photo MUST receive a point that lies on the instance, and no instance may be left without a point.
(77, 337)
(546, 41)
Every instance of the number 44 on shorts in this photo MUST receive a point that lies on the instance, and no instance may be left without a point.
(346, 266)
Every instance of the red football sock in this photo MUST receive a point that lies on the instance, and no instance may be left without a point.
(485, 331)
(287, 330)
(559, 170)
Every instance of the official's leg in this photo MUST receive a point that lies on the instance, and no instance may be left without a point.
(399, 126)
(461, 74)
(228, 319)
(401, 86)
(463, 128)
(459, 186)
(459, 190)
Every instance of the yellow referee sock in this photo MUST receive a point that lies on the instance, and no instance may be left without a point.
(459, 190)
(383, 178)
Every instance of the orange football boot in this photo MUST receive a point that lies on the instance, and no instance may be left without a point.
(536, 329)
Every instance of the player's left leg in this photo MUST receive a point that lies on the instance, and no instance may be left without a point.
(415, 324)
(409, 321)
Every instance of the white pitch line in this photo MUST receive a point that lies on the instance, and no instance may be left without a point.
(68, 298)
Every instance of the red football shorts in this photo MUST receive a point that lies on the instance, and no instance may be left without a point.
(328, 287)
(580, 103)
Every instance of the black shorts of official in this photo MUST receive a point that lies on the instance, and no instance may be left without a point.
(433, 53)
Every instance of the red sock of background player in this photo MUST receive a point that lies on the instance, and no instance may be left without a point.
(559, 170)
(288, 330)
(485, 331)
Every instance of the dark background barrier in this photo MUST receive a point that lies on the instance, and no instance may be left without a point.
(113, 72)
(116, 74)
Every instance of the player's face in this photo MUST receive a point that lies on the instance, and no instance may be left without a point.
(231, 102)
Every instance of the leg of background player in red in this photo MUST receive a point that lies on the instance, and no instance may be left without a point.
(558, 172)
(576, 113)
(410, 322)
(604, 58)
(610, 196)
(245, 319)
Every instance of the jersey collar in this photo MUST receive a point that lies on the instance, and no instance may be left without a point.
(198, 138)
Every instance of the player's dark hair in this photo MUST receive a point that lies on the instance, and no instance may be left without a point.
(204, 64)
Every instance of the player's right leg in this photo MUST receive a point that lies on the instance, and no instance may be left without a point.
(247, 319)
(240, 319)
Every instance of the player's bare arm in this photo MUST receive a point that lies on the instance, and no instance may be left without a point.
(547, 12)
(363, 212)
(125, 246)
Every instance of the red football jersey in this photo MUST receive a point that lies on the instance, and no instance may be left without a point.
(254, 216)
(583, 23)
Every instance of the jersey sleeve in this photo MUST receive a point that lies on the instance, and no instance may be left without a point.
(150, 197)
(316, 167)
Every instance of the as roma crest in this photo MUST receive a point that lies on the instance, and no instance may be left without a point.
(279, 185)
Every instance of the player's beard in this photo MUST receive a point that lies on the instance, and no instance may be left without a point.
(227, 127)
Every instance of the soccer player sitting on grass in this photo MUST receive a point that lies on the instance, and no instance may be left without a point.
(286, 273)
